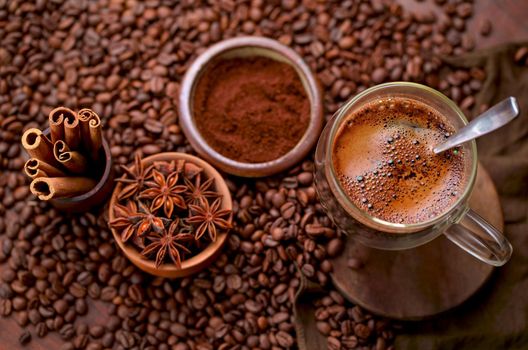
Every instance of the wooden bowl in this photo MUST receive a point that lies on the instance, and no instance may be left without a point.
(244, 47)
(195, 263)
(97, 195)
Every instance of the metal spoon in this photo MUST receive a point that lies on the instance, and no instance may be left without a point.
(495, 117)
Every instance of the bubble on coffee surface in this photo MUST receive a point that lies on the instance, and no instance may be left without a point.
(385, 163)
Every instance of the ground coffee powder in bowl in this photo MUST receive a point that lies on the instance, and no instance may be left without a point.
(251, 109)
(251, 106)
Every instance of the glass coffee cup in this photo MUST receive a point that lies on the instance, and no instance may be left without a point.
(476, 236)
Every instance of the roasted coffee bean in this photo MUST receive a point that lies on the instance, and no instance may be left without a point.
(346, 327)
(96, 331)
(94, 346)
(350, 342)
(80, 307)
(60, 306)
(8, 275)
(253, 306)
(305, 178)
(94, 291)
(6, 306)
(125, 339)
(199, 302)
(262, 323)
(324, 328)
(280, 317)
(308, 270)
(67, 331)
(108, 340)
(21, 317)
(334, 247)
(77, 290)
(42, 330)
(135, 293)
(234, 282)
(5, 291)
(80, 341)
(34, 316)
(284, 339)
(46, 311)
(287, 210)
(19, 303)
(108, 293)
(362, 331)
(219, 284)
(178, 330)
(25, 337)
(277, 233)
(333, 343)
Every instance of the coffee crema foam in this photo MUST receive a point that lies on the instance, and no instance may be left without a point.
(383, 155)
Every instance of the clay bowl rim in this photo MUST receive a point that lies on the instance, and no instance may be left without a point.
(281, 53)
(107, 174)
(167, 270)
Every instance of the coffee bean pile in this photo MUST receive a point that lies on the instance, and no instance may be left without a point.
(349, 327)
(125, 61)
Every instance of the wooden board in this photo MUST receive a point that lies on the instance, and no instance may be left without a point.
(421, 282)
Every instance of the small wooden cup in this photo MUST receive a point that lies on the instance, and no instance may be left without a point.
(97, 195)
(195, 263)
(250, 46)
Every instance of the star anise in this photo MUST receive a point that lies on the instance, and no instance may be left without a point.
(209, 218)
(148, 221)
(164, 192)
(125, 221)
(199, 190)
(168, 241)
(135, 179)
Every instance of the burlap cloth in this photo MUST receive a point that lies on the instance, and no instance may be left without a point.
(497, 316)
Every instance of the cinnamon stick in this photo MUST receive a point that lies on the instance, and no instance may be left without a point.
(90, 131)
(72, 131)
(46, 188)
(35, 168)
(56, 122)
(71, 160)
(38, 146)
(96, 138)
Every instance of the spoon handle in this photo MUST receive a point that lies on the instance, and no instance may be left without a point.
(495, 117)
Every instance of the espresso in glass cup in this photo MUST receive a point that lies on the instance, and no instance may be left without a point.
(379, 180)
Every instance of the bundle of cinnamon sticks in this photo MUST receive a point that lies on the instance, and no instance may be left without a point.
(60, 165)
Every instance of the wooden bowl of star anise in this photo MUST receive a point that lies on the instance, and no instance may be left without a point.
(170, 214)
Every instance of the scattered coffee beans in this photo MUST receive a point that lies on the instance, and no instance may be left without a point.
(125, 61)
(349, 327)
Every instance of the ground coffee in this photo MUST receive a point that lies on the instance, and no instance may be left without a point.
(385, 163)
(251, 109)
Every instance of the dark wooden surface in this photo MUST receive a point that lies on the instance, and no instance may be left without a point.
(417, 283)
(508, 18)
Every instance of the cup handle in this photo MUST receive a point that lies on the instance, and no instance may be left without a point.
(481, 240)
